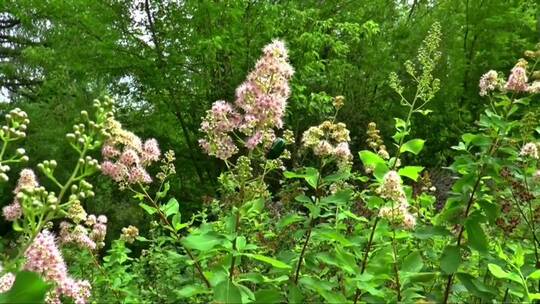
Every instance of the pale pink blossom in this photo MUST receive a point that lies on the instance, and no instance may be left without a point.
(517, 81)
(129, 157)
(109, 151)
(258, 109)
(27, 180)
(254, 140)
(151, 152)
(12, 211)
(488, 82)
(529, 150)
(6, 282)
(44, 258)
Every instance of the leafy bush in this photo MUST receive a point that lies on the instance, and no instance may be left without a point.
(301, 226)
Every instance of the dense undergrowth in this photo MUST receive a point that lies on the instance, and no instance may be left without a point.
(300, 226)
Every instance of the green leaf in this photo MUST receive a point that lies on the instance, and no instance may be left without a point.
(165, 190)
(475, 286)
(171, 207)
(275, 263)
(177, 222)
(370, 159)
(535, 275)
(450, 259)
(400, 123)
(332, 297)
(288, 220)
(241, 243)
(343, 175)
(150, 210)
(414, 146)
(310, 175)
(477, 237)
(499, 273)
(189, 291)
(263, 296)
(201, 242)
(227, 292)
(412, 172)
(413, 262)
(294, 294)
(428, 232)
(27, 288)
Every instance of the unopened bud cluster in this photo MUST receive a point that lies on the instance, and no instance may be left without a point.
(375, 141)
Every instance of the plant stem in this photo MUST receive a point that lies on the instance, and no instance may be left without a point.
(460, 235)
(233, 258)
(366, 256)
(308, 235)
(177, 236)
(396, 267)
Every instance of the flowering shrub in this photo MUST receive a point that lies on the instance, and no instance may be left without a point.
(312, 230)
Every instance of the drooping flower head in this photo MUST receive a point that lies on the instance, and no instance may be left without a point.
(258, 109)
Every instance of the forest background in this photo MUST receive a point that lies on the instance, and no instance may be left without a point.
(166, 62)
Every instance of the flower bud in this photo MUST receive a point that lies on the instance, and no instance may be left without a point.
(3, 177)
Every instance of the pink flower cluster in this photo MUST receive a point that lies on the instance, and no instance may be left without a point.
(329, 140)
(6, 282)
(126, 157)
(489, 82)
(392, 189)
(517, 81)
(44, 258)
(79, 235)
(530, 149)
(27, 180)
(258, 109)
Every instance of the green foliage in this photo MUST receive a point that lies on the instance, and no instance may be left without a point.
(288, 221)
